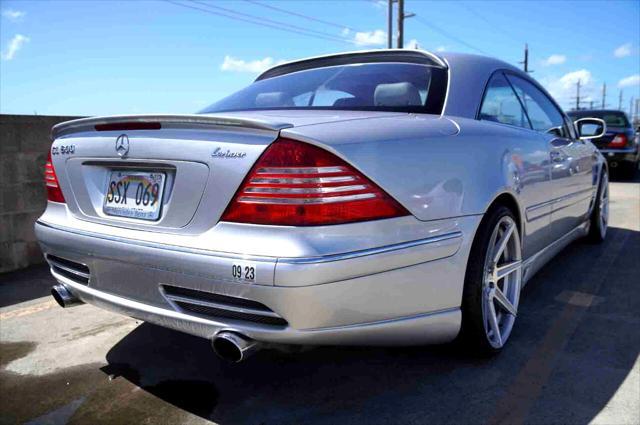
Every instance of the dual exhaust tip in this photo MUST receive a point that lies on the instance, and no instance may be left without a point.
(234, 347)
(229, 346)
(64, 297)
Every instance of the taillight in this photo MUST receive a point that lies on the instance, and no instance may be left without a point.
(51, 180)
(298, 184)
(619, 141)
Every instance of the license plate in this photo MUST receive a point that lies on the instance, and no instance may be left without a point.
(134, 194)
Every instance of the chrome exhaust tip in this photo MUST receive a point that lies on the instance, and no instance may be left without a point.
(64, 297)
(234, 347)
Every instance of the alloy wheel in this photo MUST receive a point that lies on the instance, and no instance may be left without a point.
(501, 282)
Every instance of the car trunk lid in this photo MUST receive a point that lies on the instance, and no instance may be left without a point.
(197, 161)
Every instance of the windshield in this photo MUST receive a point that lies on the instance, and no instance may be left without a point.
(612, 118)
(402, 87)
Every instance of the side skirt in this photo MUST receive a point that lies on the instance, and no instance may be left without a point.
(534, 263)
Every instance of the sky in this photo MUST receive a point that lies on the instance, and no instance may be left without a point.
(97, 57)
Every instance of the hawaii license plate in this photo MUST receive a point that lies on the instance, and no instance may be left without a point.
(134, 194)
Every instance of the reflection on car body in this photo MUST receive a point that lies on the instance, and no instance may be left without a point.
(391, 197)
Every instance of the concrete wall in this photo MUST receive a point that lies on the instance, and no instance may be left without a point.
(24, 144)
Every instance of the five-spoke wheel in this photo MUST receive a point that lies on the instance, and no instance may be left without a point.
(492, 282)
(502, 278)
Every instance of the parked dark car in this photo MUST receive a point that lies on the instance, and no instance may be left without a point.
(619, 144)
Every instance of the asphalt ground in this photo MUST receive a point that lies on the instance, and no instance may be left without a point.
(573, 358)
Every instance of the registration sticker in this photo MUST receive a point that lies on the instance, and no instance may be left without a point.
(244, 272)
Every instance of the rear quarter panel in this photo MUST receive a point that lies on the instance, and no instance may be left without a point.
(440, 168)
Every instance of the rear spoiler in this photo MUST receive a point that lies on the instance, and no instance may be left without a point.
(149, 122)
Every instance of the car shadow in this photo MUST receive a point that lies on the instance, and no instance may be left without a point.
(572, 376)
(618, 176)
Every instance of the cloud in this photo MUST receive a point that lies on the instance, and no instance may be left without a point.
(630, 81)
(554, 60)
(441, 48)
(622, 51)
(13, 15)
(255, 66)
(14, 46)
(370, 38)
(412, 44)
(563, 89)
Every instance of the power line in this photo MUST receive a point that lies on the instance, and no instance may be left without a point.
(448, 35)
(260, 21)
(488, 22)
(300, 15)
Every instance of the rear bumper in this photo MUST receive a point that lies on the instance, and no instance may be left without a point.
(621, 155)
(429, 328)
(401, 294)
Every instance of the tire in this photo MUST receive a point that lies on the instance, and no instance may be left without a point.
(487, 319)
(599, 220)
(628, 170)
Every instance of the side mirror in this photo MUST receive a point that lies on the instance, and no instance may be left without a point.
(590, 128)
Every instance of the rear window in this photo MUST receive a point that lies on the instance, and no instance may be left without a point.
(403, 87)
(613, 119)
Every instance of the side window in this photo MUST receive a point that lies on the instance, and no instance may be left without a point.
(500, 104)
(544, 115)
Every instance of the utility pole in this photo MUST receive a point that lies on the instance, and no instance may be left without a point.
(390, 24)
(604, 93)
(591, 104)
(631, 108)
(401, 17)
(525, 62)
(620, 101)
(578, 95)
(400, 24)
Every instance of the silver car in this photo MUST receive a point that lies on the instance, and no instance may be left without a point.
(389, 197)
